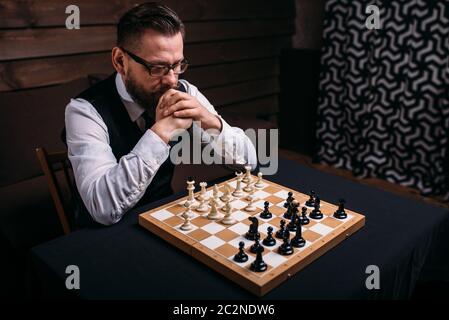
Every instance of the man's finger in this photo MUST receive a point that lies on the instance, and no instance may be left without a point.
(180, 105)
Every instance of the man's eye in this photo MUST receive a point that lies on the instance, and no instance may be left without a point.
(157, 69)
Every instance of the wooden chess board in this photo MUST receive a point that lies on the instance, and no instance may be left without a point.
(215, 244)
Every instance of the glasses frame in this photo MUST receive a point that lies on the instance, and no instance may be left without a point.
(149, 66)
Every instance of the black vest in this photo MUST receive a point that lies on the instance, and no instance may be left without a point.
(124, 134)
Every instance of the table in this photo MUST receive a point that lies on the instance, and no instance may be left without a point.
(407, 240)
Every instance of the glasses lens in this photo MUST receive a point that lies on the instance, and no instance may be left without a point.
(158, 71)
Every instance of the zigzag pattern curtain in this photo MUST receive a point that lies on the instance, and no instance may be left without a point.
(384, 101)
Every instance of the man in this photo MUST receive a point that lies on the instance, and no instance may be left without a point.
(118, 132)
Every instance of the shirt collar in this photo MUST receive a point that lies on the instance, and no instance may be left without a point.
(135, 111)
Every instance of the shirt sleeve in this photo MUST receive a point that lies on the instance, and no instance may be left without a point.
(109, 187)
(231, 144)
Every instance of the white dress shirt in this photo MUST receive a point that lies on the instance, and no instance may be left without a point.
(110, 187)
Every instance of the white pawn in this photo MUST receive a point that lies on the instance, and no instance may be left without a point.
(259, 184)
(186, 225)
(213, 213)
(228, 219)
(238, 190)
(249, 187)
(226, 194)
(216, 197)
(250, 207)
(203, 207)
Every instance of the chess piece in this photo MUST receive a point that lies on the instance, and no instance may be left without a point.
(294, 210)
(340, 213)
(186, 225)
(287, 204)
(258, 265)
(253, 231)
(259, 184)
(269, 241)
(190, 198)
(247, 179)
(311, 201)
(241, 256)
(256, 247)
(228, 219)
(213, 213)
(203, 191)
(266, 214)
(250, 207)
(280, 234)
(304, 220)
(249, 187)
(215, 194)
(238, 190)
(226, 197)
(316, 213)
(298, 241)
(286, 248)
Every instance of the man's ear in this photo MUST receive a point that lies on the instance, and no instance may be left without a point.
(119, 61)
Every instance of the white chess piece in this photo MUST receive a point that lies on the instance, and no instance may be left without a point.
(259, 184)
(216, 196)
(186, 225)
(228, 219)
(251, 198)
(190, 199)
(202, 194)
(249, 187)
(226, 194)
(247, 179)
(238, 190)
(213, 213)
(203, 207)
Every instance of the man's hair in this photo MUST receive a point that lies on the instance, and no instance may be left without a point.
(150, 15)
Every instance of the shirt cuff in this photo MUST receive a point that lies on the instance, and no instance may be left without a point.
(152, 149)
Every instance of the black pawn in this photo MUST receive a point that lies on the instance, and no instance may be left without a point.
(292, 224)
(288, 200)
(304, 220)
(269, 241)
(258, 265)
(311, 201)
(340, 213)
(316, 213)
(282, 231)
(256, 247)
(298, 241)
(286, 248)
(241, 256)
(266, 214)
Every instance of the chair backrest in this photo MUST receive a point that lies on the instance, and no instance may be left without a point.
(52, 164)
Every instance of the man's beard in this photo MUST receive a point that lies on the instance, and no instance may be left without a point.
(146, 99)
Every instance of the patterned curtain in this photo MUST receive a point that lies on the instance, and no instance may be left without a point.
(384, 99)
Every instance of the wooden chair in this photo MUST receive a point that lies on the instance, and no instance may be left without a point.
(51, 163)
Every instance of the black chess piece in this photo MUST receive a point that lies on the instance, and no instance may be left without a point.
(289, 199)
(316, 213)
(253, 229)
(340, 213)
(304, 220)
(241, 256)
(298, 241)
(292, 224)
(311, 201)
(282, 231)
(317, 202)
(266, 214)
(269, 241)
(256, 247)
(258, 265)
(286, 248)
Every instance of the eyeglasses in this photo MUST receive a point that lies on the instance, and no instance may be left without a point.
(159, 70)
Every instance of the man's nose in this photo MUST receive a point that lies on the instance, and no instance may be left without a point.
(170, 78)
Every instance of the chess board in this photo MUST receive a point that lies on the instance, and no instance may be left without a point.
(215, 244)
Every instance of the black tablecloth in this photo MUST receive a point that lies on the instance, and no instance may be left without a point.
(408, 240)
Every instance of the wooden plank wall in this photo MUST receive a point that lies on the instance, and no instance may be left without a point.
(233, 46)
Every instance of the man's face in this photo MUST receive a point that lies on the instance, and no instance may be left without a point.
(156, 49)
